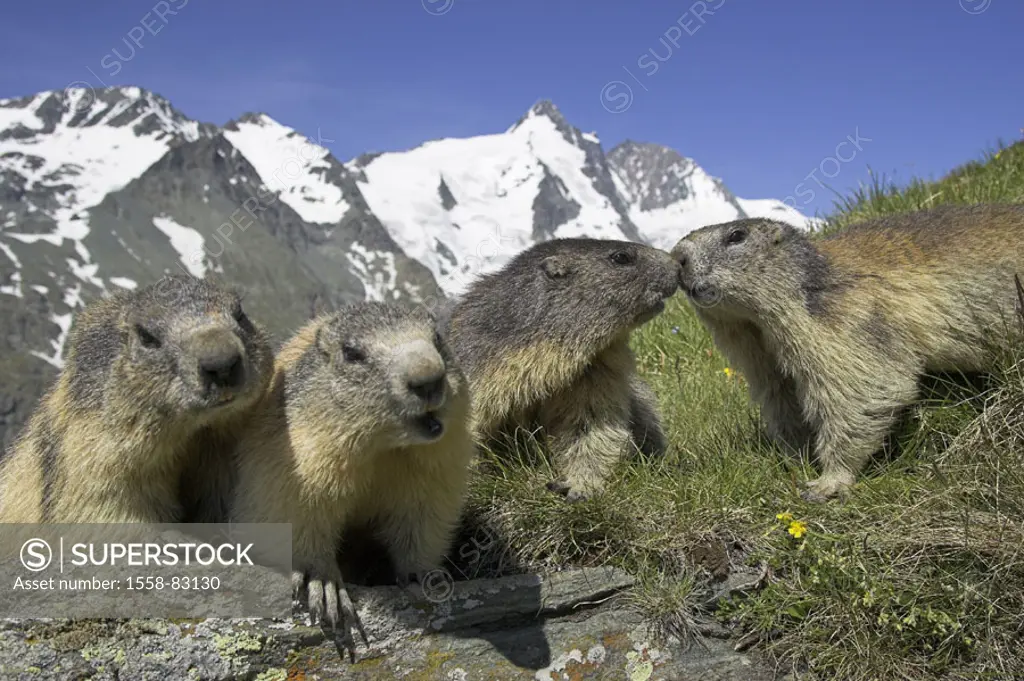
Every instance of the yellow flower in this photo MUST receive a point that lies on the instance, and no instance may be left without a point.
(797, 529)
(784, 517)
(727, 371)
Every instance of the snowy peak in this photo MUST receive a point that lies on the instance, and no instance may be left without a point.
(253, 117)
(141, 111)
(654, 176)
(344, 233)
(464, 207)
(299, 168)
(588, 158)
(670, 195)
(62, 153)
(545, 113)
(546, 109)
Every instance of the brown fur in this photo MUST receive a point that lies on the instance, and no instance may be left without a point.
(129, 433)
(545, 342)
(833, 334)
(337, 445)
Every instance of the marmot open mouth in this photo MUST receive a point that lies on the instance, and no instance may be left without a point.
(651, 312)
(430, 425)
(222, 400)
(218, 399)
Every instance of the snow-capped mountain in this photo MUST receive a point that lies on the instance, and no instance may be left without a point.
(670, 195)
(466, 206)
(108, 189)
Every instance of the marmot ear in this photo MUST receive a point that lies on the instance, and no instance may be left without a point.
(777, 233)
(556, 267)
(325, 340)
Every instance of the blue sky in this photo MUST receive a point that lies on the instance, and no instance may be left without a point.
(759, 93)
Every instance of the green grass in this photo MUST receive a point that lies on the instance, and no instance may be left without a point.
(997, 177)
(920, 574)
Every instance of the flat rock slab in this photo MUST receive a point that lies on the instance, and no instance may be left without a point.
(566, 626)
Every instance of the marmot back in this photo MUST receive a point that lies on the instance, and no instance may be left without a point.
(833, 334)
(546, 339)
(365, 424)
(138, 425)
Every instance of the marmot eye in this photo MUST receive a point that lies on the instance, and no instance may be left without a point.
(147, 339)
(239, 316)
(622, 258)
(736, 236)
(351, 353)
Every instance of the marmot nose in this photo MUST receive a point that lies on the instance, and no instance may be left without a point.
(679, 252)
(682, 258)
(223, 369)
(701, 290)
(429, 389)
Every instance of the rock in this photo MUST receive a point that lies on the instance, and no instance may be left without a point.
(566, 625)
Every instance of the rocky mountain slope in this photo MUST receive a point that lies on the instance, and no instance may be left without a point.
(101, 189)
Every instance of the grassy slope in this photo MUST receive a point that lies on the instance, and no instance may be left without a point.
(918, 575)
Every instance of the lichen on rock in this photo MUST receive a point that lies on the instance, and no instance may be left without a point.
(521, 627)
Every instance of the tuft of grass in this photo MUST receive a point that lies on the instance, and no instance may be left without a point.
(997, 177)
(919, 575)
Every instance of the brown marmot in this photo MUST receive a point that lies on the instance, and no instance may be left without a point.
(545, 341)
(833, 334)
(366, 422)
(155, 384)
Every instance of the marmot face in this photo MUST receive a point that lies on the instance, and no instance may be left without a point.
(384, 369)
(724, 266)
(608, 286)
(192, 348)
